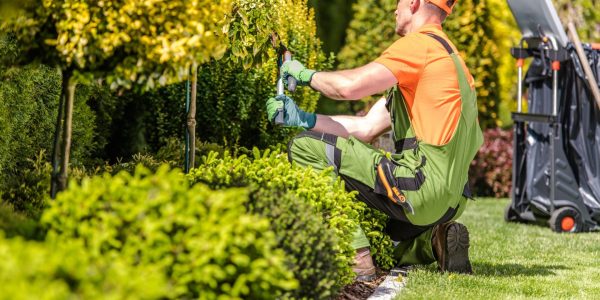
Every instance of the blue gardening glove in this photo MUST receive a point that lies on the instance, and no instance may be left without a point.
(297, 70)
(293, 116)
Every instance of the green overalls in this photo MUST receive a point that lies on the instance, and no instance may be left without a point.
(429, 181)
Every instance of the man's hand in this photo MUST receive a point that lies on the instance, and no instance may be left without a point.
(295, 69)
(292, 115)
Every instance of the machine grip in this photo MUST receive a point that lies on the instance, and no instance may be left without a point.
(292, 83)
(279, 117)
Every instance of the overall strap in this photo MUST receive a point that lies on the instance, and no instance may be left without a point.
(442, 41)
(464, 88)
(462, 77)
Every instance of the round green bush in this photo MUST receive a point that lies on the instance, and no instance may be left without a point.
(204, 241)
(311, 246)
(336, 207)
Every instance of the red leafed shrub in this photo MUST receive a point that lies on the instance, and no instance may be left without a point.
(491, 170)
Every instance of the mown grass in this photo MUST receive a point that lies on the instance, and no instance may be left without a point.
(514, 261)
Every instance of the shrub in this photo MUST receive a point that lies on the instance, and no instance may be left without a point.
(28, 188)
(310, 245)
(28, 107)
(491, 170)
(64, 270)
(203, 240)
(231, 99)
(14, 224)
(337, 208)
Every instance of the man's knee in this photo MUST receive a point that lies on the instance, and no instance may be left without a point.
(314, 149)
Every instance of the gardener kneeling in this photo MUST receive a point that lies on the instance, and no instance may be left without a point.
(430, 107)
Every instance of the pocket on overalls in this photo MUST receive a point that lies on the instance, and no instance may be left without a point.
(358, 159)
(397, 174)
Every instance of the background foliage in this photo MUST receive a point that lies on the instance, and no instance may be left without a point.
(586, 16)
(491, 170)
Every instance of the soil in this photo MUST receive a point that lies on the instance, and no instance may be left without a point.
(361, 290)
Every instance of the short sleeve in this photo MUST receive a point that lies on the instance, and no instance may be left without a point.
(405, 58)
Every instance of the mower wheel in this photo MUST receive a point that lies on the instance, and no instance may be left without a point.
(566, 219)
(510, 215)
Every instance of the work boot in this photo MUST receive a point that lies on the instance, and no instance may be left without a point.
(450, 243)
(363, 265)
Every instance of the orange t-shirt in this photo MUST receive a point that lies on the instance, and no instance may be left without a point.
(428, 81)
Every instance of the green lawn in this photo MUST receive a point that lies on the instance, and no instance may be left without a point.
(514, 261)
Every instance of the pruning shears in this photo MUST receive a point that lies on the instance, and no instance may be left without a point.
(283, 55)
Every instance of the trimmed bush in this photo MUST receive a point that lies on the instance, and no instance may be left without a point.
(204, 241)
(64, 270)
(308, 242)
(337, 208)
(491, 171)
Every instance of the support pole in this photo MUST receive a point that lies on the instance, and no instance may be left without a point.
(57, 138)
(66, 146)
(584, 62)
(186, 166)
(192, 117)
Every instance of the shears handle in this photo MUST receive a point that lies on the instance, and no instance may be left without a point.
(292, 83)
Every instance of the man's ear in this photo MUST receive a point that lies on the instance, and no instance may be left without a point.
(414, 5)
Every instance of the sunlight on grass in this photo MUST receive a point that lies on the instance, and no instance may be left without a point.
(514, 261)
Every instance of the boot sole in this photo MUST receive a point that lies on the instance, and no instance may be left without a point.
(457, 249)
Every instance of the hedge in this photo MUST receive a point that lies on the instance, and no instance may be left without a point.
(204, 241)
(329, 198)
(309, 243)
(64, 269)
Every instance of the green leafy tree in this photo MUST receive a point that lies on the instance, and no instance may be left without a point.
(233, 97)
(128, 43)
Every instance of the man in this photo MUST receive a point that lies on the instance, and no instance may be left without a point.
(431, 108)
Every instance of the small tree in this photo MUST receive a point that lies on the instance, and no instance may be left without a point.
(248, 27)
(128, 43)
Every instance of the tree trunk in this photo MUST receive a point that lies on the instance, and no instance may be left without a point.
(57, 136)
(191, 118)
(66, 150)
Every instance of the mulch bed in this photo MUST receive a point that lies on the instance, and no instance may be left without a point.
(361, 290)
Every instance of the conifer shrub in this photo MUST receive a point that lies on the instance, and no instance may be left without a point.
(64, 269)
(204, 241)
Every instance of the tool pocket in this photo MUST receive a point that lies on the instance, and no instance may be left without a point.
(397, 174)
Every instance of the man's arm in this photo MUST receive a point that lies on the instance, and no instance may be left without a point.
(354, 84)
(365, 128)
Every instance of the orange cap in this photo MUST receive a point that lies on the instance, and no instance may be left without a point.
(446, 5)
